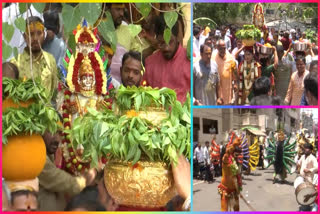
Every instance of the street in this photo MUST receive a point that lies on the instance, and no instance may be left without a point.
(258, 190)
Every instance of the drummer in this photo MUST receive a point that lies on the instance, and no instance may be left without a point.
(307, 164)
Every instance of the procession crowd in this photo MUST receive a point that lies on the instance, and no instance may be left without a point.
(229, 72)
(145, 58)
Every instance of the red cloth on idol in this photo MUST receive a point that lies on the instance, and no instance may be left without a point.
(174, 73)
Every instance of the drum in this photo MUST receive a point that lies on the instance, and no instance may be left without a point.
(303, 189)
(299, 180)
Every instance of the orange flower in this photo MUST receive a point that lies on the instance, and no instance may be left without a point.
(132, 113)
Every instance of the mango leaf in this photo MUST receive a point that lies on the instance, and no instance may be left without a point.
(6, 50)
(132, 152)
(22, 7)
(20, 23)
(167, 35)
(134, 29)
(39, 6)
(144, 9)
(90, 11)
(7, 31)
(136, 156)
(107, 30)
(170, 18)
(71, 18)
(137, 102)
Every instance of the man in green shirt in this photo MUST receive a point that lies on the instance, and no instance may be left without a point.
(33, 62)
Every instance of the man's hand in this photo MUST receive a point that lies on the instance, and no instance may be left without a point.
(307, 197)
(220, 101)
(90, 176)
(181, 176)
(306, 170)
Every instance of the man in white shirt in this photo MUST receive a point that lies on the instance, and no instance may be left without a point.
(196, 41)
(226, 38)
(308, 164)
(199, 160)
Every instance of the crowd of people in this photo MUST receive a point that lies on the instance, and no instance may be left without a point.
(146, 59)
(225, 161)
(284, 77)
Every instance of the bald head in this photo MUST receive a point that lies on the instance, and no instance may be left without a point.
(221, 48)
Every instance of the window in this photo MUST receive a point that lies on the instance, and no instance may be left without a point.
(209, 125)
(196, 123)
(270, 11)
(196, 128)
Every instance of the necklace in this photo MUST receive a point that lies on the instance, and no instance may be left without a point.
(247, 77)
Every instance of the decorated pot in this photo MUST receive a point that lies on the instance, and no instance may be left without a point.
(23, 157)
(248, 42)
(152, 114)
(145, 184)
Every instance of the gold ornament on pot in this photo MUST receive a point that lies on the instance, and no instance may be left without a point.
(144, 184)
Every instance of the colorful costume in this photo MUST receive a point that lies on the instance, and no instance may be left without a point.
(215, 155)
(250, 154)
(87, 83)
(281, 155)
(248, 73)
(231, 183)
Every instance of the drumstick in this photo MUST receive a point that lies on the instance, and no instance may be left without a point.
(247, 203)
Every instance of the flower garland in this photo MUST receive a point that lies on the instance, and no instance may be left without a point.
(247, 77)
(97, 65)
(73, 164)
(84, 35)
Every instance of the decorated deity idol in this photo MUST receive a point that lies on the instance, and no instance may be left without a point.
(86, 87)
(258, 16)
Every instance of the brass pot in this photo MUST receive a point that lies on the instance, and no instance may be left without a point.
(248, 42)
(153, 114)
(146, 184)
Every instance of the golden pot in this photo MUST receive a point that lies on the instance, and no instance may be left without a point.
(248, 42)
(153, 114)
(146, 184)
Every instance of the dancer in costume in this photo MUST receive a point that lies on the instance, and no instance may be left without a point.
(281, 156)
(215, 156)
(231, 183)
(250, 154)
